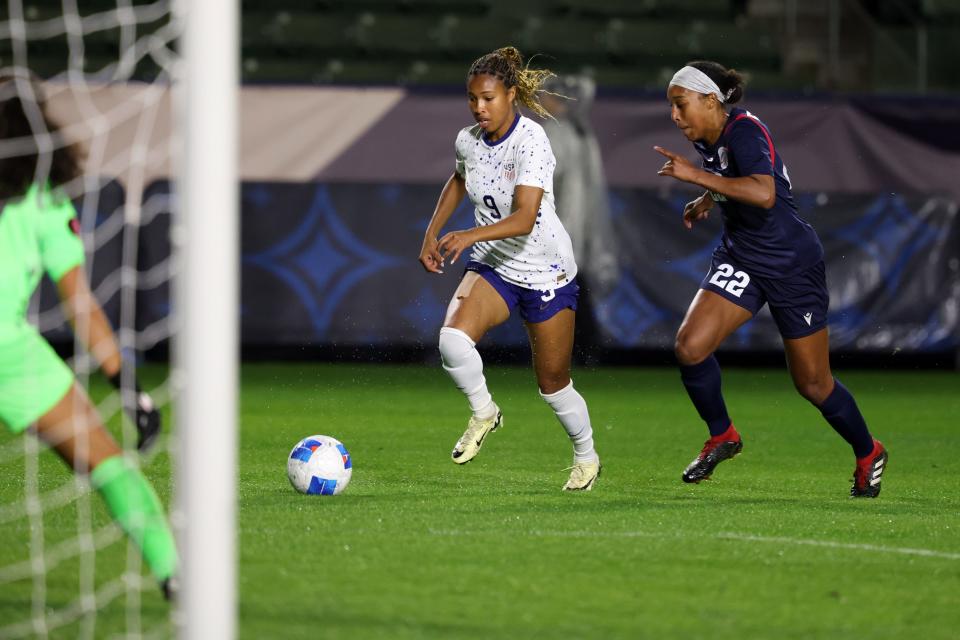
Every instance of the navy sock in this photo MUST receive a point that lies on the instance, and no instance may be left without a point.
(703, 386)
(840, 410)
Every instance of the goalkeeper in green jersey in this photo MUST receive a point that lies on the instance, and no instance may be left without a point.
(38, 393)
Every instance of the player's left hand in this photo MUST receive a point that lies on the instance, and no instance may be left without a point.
(147, 418)
(142, 410)
(676, 166)
(453, 244)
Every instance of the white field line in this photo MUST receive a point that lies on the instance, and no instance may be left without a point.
(722, 535)
(906, 551)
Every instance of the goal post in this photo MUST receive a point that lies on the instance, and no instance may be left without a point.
(139, 100)
(205, 239)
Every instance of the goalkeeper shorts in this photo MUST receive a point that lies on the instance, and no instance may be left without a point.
(33, 378)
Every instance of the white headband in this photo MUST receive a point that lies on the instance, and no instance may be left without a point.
(696, 80)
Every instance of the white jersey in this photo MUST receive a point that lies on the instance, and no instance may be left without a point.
(543, 259)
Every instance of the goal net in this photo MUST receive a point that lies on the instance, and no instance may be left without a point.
(124, 80)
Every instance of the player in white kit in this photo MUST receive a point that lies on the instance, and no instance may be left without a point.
(522, 257)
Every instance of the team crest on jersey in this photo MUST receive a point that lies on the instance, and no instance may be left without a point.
(74, 226)
(510, 170)
(722, 154)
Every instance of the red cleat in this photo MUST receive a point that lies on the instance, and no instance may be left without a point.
(715, 450)
(869, 471)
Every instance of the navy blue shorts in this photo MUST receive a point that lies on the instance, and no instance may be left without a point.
(535, 306)
(798, 304)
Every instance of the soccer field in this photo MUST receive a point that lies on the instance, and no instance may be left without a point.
(418, 547)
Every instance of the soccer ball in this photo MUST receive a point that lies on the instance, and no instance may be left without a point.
(319, 465)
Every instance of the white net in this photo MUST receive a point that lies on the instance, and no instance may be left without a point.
(66, 570)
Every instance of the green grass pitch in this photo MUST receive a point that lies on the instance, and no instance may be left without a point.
(418, 547)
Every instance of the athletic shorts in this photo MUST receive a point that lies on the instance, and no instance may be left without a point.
(33, 378)
(798, 303)
(535, 306)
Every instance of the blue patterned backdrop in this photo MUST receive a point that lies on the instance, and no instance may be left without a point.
(893, 269)
(336, 264)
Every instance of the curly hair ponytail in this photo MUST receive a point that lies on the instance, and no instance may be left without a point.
(18, 169)
(506, 63)
(730, 81)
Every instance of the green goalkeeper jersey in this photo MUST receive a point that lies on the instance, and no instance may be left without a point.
(38, 232)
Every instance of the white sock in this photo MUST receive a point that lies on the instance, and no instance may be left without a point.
(571, 410)
(462, 361)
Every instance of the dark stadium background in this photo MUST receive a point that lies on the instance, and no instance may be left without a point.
(350, 110)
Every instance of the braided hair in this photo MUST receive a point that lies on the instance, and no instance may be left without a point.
(506, 64)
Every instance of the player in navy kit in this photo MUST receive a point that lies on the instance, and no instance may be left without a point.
(767, 255)
(521, 258)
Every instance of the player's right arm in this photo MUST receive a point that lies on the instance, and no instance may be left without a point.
(88, 320)
(62, 253)
(450, 199)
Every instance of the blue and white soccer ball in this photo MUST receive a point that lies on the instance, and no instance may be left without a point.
(319, 465)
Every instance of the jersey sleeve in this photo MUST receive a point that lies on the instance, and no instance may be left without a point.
(459, 166)
(61, 248)
(751, 148)
(536, 162)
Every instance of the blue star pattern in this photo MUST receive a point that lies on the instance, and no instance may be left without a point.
(891, 235)
(337, 264)
(321, 261)
(626, 313)
(694, 266)
(886, 270)
(425, 313)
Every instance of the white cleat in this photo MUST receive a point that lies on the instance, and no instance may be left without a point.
(582, 476)
(468, 446)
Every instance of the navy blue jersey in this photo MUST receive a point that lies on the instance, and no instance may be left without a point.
(769, 243)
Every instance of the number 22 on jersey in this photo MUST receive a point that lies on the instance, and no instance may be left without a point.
(722, 278)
